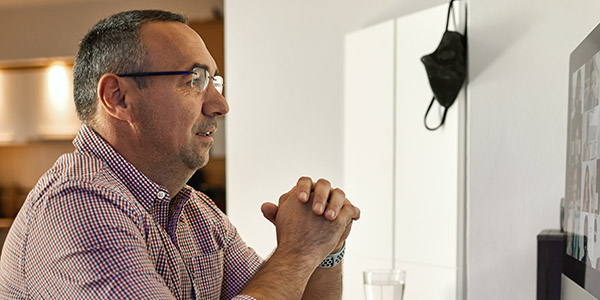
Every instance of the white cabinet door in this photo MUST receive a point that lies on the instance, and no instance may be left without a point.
(406, 180)
(368, 150)
(427, 166)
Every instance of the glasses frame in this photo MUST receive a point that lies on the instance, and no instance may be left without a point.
(217, 80)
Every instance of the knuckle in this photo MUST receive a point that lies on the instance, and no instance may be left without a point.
(282, 197)
(305, 179)
(357, 212)
(323, 181)
(339, 191)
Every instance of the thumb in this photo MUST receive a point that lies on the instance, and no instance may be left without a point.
(269, 211)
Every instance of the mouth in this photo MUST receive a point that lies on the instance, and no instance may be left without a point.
(207, 133)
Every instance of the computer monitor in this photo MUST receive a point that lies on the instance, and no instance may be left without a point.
(580, 218)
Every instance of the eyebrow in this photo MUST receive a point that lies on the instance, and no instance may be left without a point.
(205, 67)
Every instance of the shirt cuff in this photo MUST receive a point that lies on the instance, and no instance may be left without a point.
(243, 297)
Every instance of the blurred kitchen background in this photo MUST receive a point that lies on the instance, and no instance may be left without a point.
(37, 116)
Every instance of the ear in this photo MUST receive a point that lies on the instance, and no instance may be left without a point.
(111, 92)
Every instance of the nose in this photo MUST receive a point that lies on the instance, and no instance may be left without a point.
(214, 103)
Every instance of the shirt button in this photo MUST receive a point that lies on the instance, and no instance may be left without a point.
(161, 195)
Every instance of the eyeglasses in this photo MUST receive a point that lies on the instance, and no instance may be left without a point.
(200, 78)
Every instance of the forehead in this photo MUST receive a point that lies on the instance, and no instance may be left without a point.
(175, 46)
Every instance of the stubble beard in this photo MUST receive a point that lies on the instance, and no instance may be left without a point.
(195, 158)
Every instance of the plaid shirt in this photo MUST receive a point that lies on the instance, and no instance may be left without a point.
(96, 227)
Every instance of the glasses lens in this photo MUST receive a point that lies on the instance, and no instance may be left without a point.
(199, 79)
(218, 82)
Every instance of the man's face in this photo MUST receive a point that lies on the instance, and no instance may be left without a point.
(173, 118)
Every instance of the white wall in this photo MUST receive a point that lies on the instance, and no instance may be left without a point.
(519, 62)
(285, 88)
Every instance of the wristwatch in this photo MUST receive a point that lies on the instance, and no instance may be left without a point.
(334, 258)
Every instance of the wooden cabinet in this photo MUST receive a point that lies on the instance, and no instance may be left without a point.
(4, 227)
(211, 178)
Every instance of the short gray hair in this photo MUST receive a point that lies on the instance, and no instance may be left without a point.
(113, 45)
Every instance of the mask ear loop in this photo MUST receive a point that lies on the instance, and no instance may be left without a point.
(433, 98)
(443, 117)
(448, 14)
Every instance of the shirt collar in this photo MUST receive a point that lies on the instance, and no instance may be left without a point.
(143, 189)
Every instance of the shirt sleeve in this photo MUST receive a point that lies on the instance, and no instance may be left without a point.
(83, 244)
(243, 297)
(240, 262)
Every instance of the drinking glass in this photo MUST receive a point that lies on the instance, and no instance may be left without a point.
(384, 284)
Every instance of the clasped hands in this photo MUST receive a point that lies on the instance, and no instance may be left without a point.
(312, 219)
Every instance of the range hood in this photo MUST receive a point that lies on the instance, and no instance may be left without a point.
(36, 102)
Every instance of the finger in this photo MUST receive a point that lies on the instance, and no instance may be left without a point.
(347, 217)
(356, 215)
(304, 187)
(269, 211)
(337, 199)
(355, 212)
(321, 195)
(343, 237)
(349, 212)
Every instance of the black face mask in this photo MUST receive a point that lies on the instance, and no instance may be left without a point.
(446, 69)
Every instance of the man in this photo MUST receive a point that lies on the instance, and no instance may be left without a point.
(115, 219)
